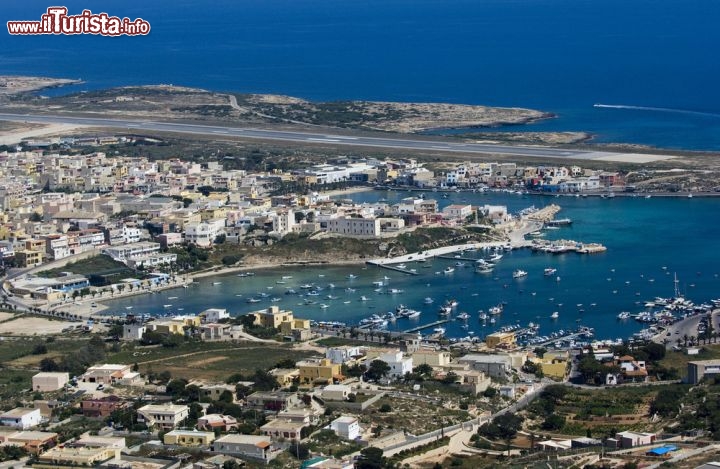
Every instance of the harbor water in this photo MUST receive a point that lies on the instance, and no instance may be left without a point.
(648, 241)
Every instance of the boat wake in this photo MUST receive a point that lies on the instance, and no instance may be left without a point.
(657, 109)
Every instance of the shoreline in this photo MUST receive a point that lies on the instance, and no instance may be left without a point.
(601, 194)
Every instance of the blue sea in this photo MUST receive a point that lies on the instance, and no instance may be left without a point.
(648, 240)
(561, 56)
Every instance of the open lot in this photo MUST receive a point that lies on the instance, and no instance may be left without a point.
(32, 326)
(216, 363)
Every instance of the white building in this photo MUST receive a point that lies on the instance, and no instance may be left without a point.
(105, 374)
(249, 446)
(212, 315)
(342, 354)
(361, 227)
(346, 427)
(399, 364)
(457, 211)
(283, 221)
(131, 234)
(496, 213)
(133, 331)
(49, 381)
(204, 234)
(146, 254)
(21, 418)
(163, 416)
(336, 392)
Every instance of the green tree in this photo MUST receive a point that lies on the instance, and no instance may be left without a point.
(370, 458)
(377, 370)
(553, 422)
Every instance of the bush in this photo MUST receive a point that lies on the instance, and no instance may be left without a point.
(231, 259)
(385, 408)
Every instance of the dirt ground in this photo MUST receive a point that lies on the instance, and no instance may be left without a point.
(5, 316)
(32, 326)
(13, 136)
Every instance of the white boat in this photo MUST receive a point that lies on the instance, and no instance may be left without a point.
(166, 306)
(323, 306)
(253, 300)
(285, 277)
(623, 315)
(439, 330)
(492, 320)
(401, 266)
(459, 264)
(549, 271)
(495, 257)
(274, 300)
(445, 310)
(483, 316)
(364, 298)
(412, 314)
(448, 270)
(496, 309)
(555, 315)
(379, 283)
(217, 283)
(351, 277)
(428, 301)
(395, 291)
(463, 316)
(519, 273)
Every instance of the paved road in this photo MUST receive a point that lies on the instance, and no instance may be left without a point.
(309, 137)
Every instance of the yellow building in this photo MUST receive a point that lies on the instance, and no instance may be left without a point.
(285, 376)
(214, 213)
(28, 258)
(176, 325)
(75, 457)
(554, 364)
(35, 244)
(500, 339)
(318, 371)
(431, 357)
(288, 326)
(188, 438)
(272, 317)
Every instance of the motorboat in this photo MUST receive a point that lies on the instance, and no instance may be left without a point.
(555, 315)
(448, 270)
(428, 300)
(549, 271)
(519, 273)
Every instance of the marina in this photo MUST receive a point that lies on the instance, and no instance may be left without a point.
(599, 282)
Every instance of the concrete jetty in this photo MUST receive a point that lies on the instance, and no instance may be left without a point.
(427, 326)
(390, 267)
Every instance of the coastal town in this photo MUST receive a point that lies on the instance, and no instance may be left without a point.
(88, 386)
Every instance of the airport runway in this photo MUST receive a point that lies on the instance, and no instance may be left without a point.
(333, 139)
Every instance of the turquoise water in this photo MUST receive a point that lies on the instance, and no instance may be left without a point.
(561, 56)
(648, 241)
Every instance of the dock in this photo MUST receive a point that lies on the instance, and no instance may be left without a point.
(426, 326)
(458, 258)
(545, 214)
(391, 267)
